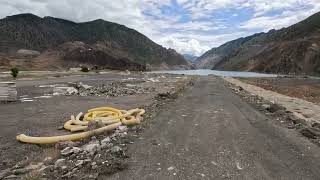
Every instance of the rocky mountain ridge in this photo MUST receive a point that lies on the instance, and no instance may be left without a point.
(62, 43)
(292, 50)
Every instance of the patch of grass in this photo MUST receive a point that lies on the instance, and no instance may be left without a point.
(14, 72)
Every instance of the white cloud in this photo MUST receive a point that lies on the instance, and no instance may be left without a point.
(194, 35)
(197, 44)
(285, 19)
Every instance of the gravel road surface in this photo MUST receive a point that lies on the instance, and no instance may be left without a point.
(210, 133)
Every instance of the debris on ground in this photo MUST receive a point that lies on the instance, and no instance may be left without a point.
(110, 90)
(166, 95)
(95, 157)
(311, 132)
(280, 114)
(108, 119)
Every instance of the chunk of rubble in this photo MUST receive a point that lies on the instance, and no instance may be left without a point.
(60, 163)
(310, 132)
(70, 150)
(122, 128)
(84, 86)
(92, 147)
(115, 149)
(64, 91)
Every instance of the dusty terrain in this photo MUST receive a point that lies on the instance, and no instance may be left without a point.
(211, 133)
(207, 130)
(42, 114)
(304, 88)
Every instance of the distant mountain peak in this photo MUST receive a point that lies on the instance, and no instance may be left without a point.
(295, 49)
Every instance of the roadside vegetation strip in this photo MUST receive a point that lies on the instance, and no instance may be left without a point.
(109, 116)
(302, 109)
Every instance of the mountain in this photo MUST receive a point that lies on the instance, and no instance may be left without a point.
(191, 58)
(295, 49)
(62, 44)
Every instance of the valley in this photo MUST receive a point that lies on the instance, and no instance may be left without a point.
(160, 90)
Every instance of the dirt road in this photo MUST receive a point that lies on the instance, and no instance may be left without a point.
(210, 133)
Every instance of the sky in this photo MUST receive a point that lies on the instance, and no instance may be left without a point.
(188, 26)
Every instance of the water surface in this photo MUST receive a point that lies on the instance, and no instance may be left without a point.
(206, 72)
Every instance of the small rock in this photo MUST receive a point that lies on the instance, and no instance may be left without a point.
(91, 148)
(47, 160)
(170, 168)
(79, 162)
(298, 121)
(59, 163)
(266, 106)
(64, 144)
(70, 150)
(115, 149)
(94, 166)
(104, 145)
(316, 125)
(84, 86)
(93, 176)
(274, 108)
(106, 140)
(122, 128)
(71, 91)
(66, 151)
(310, 132)
(64, 167)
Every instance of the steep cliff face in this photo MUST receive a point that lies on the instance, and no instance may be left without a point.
(109, 42)
(295, 49)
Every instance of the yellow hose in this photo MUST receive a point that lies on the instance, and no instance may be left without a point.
(70, 137)
(107, 115)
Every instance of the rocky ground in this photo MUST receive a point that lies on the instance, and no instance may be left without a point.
(304, 88)
(280, 115)
(45, 109)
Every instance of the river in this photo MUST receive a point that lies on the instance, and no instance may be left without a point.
(205, 72)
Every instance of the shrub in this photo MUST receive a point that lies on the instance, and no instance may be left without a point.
(84, 69)
(14, 72)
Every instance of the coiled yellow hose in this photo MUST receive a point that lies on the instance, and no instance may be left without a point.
(106, 115)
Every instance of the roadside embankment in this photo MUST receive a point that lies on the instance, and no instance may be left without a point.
(301, 108)
(303, 88)
(290, 112)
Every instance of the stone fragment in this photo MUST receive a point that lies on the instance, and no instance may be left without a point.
(115, 149)
(91, 147)
(79, 162)
(106, 140)
(310, 132)
(59, 163)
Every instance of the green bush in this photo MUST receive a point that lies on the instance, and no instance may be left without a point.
(14, 72)
(84, 69)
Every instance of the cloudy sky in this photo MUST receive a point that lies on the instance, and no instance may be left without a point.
(189, 26)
